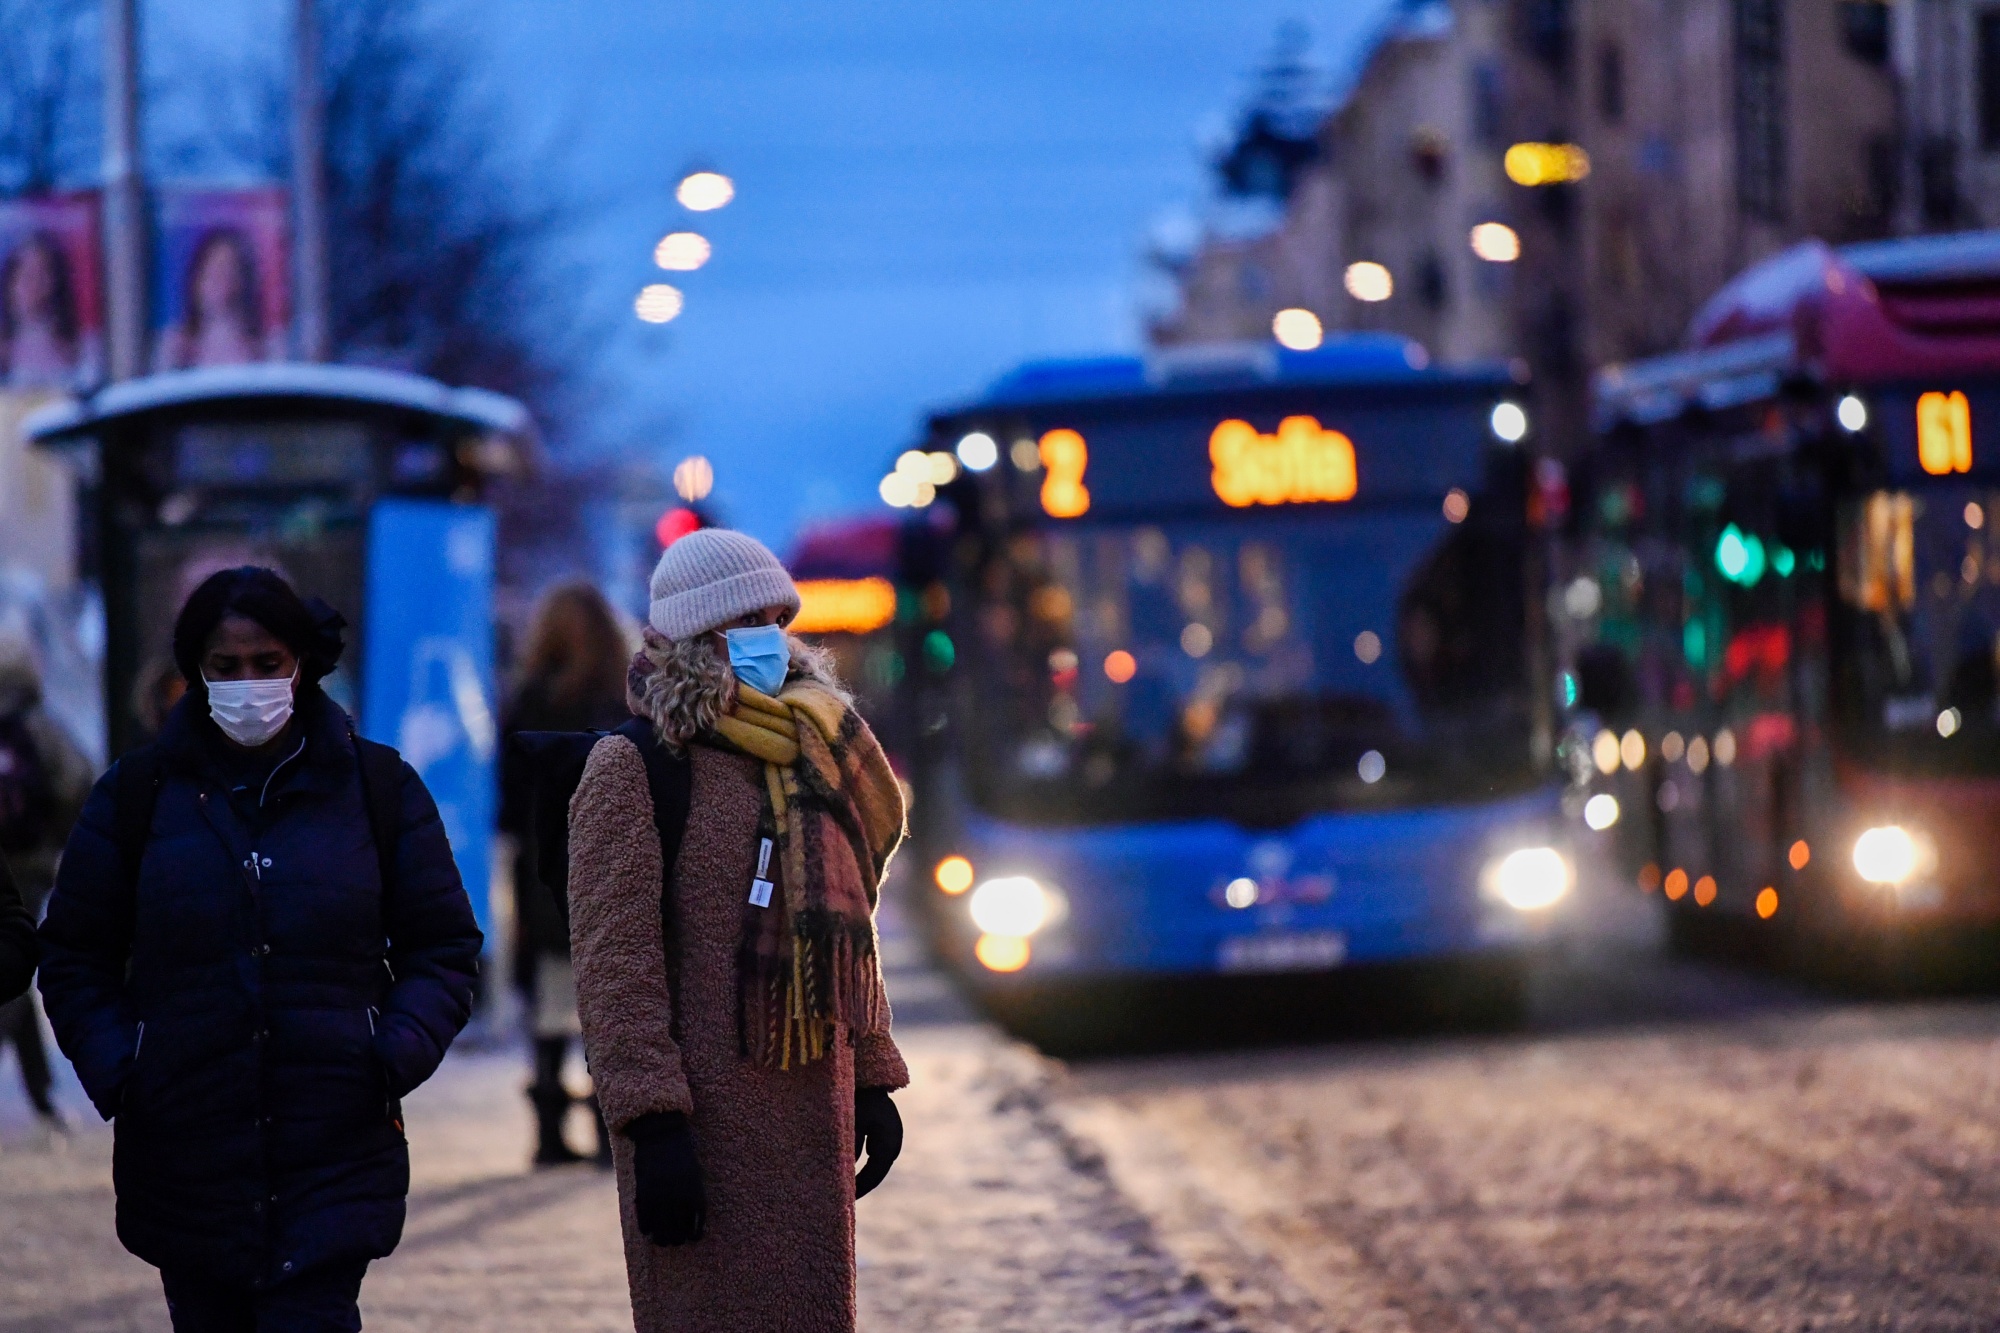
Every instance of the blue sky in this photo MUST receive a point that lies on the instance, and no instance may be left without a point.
(928, 193)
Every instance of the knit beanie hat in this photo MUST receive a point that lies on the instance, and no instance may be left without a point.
(710, 577)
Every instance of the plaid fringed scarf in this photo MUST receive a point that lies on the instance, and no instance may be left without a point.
(835, 811)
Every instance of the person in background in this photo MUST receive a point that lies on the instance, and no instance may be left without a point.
(258, 944)
(571, 678)
(44, 778)
(17, 941)
(741, 1046)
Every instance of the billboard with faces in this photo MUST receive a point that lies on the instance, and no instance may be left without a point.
(221, 278)
(51, 303)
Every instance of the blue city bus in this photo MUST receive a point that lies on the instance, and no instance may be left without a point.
(1231, 662)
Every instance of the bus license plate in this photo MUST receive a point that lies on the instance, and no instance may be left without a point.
(1292, 951)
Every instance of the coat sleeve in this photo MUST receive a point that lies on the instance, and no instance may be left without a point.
(616, 939)
(17, 940)
(434, 945)
(86, 940)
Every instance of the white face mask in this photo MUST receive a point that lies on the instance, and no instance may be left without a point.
(250, 712)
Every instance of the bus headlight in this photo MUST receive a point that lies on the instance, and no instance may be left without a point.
(1015, 905)
(1531, 879)
(1888, 855)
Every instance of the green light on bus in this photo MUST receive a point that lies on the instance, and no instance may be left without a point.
(1739, 557)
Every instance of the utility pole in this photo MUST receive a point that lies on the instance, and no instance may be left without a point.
(315, 338)
(124, 194)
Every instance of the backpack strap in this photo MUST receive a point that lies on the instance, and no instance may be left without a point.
(382, 794)
(135, 791)
(671, 778)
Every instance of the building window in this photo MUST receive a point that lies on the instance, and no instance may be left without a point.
(1488, 126)
(1760, 108)
(1611, 83)
(1989, 79)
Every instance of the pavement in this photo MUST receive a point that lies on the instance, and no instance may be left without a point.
(1665, 1145)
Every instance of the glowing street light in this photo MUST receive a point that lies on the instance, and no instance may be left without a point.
(1496, 243)
(1299, 330)
(1369, 281)
(694, 478)
(681, 252)
(658, 303)
(705, 191)
(1546, 164)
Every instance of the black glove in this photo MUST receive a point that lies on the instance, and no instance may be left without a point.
(878, 1128)
(668, 1194)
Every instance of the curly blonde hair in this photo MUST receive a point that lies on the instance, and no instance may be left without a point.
(684, 686)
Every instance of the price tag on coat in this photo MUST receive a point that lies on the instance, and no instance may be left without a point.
(760, 887)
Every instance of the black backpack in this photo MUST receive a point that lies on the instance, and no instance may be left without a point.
(136, 790)
(27, 797)
(548, 765)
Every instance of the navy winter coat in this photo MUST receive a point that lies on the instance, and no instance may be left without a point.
(17, 940)
(253, 1008)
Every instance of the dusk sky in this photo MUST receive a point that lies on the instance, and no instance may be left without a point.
(927, 194)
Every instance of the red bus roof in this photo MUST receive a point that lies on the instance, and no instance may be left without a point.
(1863, 314)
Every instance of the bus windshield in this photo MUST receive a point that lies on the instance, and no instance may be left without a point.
(1914, 684)
(1256, 668)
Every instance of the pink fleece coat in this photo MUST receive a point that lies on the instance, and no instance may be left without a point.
(776, 1147)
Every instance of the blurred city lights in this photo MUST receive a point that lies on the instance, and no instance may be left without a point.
(1975, 514)
(675, 524)
(1672, 747)
(1457, 504)
(1604, 752)
(1532, 878)
(1725, 747)
(694, 478)
(943, 468)
(1014, 905)
(1509, 422)
(1368, 646)
(681, 252)
(1120, 667)
(978, 451)
(954, 875)
(1767, 902)
(1001, 953)
(1632, 750)
(1600, 812)
(1496, 243)
(1800, 854)
(1197, 639)
(1372, 767)
(844, 606)
(1704, 891)
(1546, 164)
(1944, 432)
(658, 303)
(1739, 556)
(1026, 454)
(1697, 754)
(1886, 855)
(1676, 884)
(1300, 330)
(1369, 281)
(1948, 722)
(705, 191)
(1241, 892)
(1853, 414)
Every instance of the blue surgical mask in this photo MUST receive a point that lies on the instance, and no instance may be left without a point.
(760, 657)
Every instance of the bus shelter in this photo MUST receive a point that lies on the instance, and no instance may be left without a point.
(364, 487)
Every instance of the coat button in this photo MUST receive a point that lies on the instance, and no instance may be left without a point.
(257, 1207)
(267, 863)
(286, 1266)
(262, 951)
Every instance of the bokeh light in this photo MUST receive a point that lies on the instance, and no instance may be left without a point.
(1546, 164)
(681, 252)
(954, 875)
(1369, 281)
(1299, 330)
(705, 191)
(1496, 243)
(1120, 667)
(1001, 953)
(694, 478)
(1457, 504)
(658, 303)
(978, 451)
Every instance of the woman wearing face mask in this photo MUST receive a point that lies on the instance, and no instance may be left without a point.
(725, 952)
(257, 944)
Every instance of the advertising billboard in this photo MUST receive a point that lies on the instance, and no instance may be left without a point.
(51, 303)
(221, 280)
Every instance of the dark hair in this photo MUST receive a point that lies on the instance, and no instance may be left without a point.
(249, 308)
(64, 296)
(309, 627)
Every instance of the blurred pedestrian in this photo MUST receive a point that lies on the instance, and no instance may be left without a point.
(44, 778)
(571, 678)
(257, 945)
(742, 1048)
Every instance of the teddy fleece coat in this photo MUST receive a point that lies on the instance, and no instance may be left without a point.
(661, 1032)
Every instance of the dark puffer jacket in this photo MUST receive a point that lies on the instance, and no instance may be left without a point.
(277, 1004)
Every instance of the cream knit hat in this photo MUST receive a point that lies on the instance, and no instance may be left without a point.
(710, 577)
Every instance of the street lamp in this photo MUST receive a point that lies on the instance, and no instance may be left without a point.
(705, 191)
